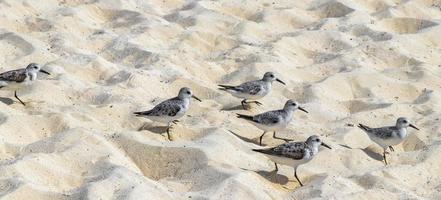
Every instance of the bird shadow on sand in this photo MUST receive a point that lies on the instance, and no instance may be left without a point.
(368, 151)
(271, 176)
(232, 108)
(7, 101)
(154, 129)
(252, 140)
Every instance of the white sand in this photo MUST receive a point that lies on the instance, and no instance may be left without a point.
(346, 61)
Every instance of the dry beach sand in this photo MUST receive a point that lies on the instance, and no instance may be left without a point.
(346, 62)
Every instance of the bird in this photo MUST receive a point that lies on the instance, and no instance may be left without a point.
(18, 78)
(294, 153)
(169, 111)
(273, 120)
(252, 90)
(388, 136)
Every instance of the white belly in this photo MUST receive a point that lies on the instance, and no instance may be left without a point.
(6, 85)
(287, 161)
(386, 142)
(273, 127)
(247, 96)
(167, 118)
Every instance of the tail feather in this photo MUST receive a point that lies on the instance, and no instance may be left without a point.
(364, 127)
(259, 150)
(247, 117)
(268, 151)
(226, 87)
(141, 113)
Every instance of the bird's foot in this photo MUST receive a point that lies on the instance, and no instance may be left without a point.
(391, 149)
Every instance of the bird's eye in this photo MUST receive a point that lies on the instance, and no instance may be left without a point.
(405, 121)
(35, 67)
(294, 104)
(272, 76)
(318, 140)
(188, 92)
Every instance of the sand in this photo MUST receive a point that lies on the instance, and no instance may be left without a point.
(346, 62)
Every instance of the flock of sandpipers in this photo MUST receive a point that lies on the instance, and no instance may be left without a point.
(290, 153)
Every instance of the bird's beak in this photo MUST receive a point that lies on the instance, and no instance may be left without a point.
(280, 81)
(195, 97)
(302, 109)
(45, 72)
(411, 125)
(325, 145)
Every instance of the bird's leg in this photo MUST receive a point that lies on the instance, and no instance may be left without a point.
(384, 157)
(15, 95)
(168, 131)
(284, 139)
(391, 148)
(295, 175)
(244, 102)
(175, 121)
(260, 139)
(256, 102)
(275, 173)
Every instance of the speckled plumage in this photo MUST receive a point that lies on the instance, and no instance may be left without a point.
(18, 75)
(292, 150)
(18, 78)
(388, 136)
(273, 120)
(170, 110)
(252, 90)
(294, 153)
(170, 107)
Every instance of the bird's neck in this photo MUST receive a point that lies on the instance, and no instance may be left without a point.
(402, 132)
(186, 101)
(314, 148)
(32, 76)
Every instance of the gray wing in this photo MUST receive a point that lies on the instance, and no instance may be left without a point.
(383, 132)
(251, 87)
(293, 150)
(270, 117)
(18, 75)
(169, 107)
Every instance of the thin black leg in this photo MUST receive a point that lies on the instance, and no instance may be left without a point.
(244, 102)
(168, 133)
(15, 94)
(256, 102)
(391, 148)
(284, 139)
(384, 157)
(260, 139)
(169, 127)
(295, 174)
(277, 168)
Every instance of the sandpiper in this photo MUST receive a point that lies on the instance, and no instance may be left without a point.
(169, 111)
(388, 136)
(252, 90)
(294, 153)
(18, 78)
(273, 120)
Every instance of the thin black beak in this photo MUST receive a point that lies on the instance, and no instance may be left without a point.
(280, 81)
(302, 109)
(45, 72)
(411, 125)
(325, 145)
(195, 97)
